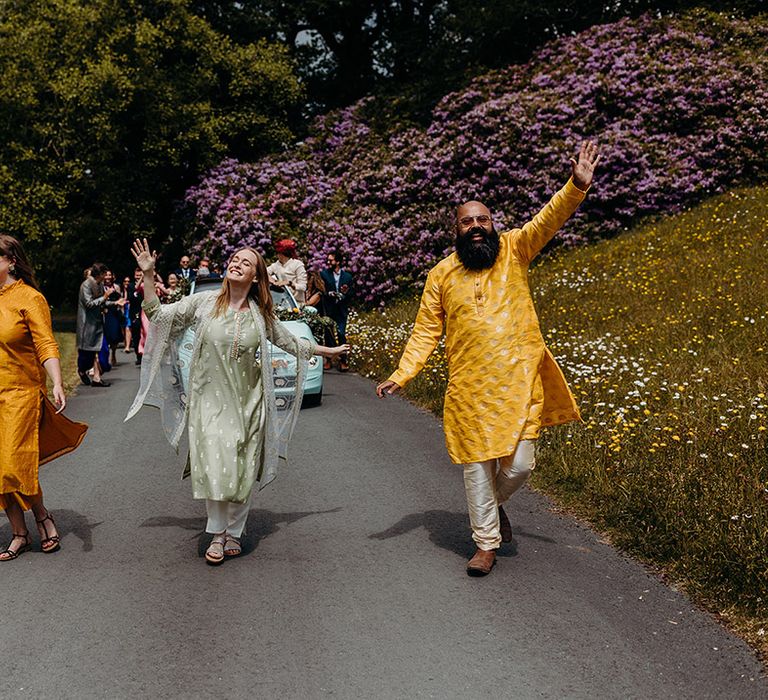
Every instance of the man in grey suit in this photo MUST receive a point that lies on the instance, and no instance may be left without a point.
(91, 301)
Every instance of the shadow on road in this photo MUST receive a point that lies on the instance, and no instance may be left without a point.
(261, 524)
(68, 522)
(446, 530)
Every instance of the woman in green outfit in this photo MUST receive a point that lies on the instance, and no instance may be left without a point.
(237, 431)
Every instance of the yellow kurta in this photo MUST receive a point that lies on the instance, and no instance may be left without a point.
(30, 433)
(504, 384)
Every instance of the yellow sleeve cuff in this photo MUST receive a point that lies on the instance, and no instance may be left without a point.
(399, 377)
(572, 189)
(49, 354)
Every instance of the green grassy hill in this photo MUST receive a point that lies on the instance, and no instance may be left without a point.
(662, 334)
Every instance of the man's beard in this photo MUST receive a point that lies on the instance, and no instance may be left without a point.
(478, 256)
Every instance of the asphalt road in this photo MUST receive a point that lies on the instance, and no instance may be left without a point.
(352, 584)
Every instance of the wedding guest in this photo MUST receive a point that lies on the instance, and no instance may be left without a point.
(316, 298)
(204, 268)
(33, 430)
(237, 430)
(90, 327)
(173, 291)
(288, 270)
(160, 293)
(125, 294)
(135, 297)
(338, 290)
(185, 272)
(102, 356)
(315, 291)
(505, 385)
(114, 316)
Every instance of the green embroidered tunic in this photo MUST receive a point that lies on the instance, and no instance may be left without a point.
(248, 431)
(227, 410)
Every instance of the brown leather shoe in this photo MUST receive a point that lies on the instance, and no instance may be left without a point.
(482, 563)
(326, 364)
(505, 528)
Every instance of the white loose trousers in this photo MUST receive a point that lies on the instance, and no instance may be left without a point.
(224, 516)
(489, 484)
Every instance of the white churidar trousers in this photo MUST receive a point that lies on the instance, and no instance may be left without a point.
(224, 516)
(489, 484)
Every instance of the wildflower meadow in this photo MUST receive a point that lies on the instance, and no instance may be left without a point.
(663, 336)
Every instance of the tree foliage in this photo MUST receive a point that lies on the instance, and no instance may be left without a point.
(420, 49)
(108, 111)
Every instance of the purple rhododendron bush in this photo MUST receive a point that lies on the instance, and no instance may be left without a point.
(679, 106)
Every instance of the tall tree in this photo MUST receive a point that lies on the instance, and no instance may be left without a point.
(349, 48)
(108, 111)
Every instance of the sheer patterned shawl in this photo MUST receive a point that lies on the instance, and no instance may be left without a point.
(166, 364)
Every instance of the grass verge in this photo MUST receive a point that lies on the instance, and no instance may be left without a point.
(662, 334)
(68, 351)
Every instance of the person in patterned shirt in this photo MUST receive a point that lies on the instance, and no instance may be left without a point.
(504, 383)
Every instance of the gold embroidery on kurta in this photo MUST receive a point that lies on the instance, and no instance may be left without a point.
(504, 384)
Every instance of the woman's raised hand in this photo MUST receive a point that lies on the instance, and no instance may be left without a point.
(144, 259)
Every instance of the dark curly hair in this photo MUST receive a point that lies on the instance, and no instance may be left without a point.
(11, 249)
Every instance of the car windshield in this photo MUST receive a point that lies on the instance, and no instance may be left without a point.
(281, 296)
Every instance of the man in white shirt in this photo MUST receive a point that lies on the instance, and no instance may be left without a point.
(288, 270)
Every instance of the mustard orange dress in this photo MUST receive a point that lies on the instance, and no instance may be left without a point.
(30, 432)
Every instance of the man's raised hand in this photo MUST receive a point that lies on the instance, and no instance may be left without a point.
(584, 168)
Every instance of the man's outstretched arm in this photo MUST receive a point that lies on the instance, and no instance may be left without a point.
(424, 338)
(543, 227)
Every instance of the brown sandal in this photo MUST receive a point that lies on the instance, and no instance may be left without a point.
(232, 546)
(48, 543)
(214, 555)
(10, 554)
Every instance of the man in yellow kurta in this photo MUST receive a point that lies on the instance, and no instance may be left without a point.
(504, 385)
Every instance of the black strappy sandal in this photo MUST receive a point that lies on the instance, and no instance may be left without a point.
(48, 544)
(10, 554)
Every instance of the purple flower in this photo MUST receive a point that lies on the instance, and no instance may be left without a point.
(679, 106)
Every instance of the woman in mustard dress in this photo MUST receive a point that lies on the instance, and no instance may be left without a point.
(31, 430)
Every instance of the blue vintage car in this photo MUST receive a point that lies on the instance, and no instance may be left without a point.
(283, 364)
